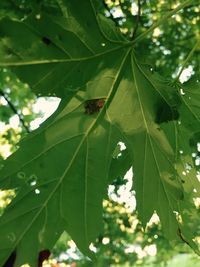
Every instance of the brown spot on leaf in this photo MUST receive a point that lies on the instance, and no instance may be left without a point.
(94, 105)
(43, 255)
(46, 40)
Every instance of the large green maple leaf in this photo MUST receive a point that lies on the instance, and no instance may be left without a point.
(61, 171)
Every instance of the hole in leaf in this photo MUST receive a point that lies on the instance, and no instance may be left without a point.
(37, 191)
(182, 91)
(32, 180)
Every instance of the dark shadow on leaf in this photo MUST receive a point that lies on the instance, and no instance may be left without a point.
(11, 260)
(194, 139)
(165, 113)
(46, 40)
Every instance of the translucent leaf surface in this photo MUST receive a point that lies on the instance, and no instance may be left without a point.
(61, 171)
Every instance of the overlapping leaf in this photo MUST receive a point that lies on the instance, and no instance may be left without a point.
(156, 181)
(61, 170)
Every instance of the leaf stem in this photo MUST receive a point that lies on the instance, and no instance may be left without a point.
(137, 21)
(187, 59)
(162, 20)
(13, 108)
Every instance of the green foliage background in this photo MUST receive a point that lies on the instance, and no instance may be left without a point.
(166, 53)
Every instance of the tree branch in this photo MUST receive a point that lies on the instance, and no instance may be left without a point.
(187, 59)
(137, 20)
(162, 20)
(12, 107)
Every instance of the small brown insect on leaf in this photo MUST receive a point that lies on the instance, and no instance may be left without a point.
(93, 106)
